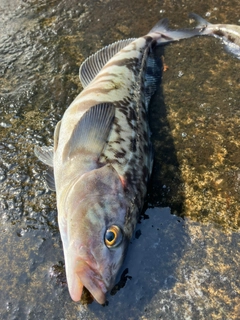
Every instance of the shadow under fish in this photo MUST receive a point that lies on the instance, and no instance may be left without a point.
(102, 159)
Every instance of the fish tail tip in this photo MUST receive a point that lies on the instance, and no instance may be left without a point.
(198, 19)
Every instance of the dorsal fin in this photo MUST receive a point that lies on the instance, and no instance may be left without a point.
(91, 132)
(93, 64)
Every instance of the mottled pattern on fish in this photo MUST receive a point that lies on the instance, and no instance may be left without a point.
(102, 159)
(128, 148)
(228, 33)
(122, 81)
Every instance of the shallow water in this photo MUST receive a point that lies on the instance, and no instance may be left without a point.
(183, 262)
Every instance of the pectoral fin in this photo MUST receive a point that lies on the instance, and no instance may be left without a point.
(92, 131)
(56, 135)
(49, 177)
(44, 154)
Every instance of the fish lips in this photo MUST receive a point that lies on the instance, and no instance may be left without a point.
(86, 277)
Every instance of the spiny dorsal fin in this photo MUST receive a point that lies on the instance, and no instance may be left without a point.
(91, 132)
(93, 64)
(44, 154)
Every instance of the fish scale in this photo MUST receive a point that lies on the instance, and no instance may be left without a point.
(102, 159)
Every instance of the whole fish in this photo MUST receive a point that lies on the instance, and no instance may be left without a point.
(102, 159)
(228, 33)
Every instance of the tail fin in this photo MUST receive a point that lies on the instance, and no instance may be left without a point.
(201, 22)
(162, 34)
(161, 26)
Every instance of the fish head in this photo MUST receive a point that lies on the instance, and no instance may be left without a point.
(96, 250)
(96, 234)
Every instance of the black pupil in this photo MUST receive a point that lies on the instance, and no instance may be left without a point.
(110, 236)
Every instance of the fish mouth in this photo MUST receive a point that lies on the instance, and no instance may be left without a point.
(86, 277)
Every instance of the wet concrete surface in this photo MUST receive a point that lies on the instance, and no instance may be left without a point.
(183, 262)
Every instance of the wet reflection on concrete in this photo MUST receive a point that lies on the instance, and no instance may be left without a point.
(183, 262)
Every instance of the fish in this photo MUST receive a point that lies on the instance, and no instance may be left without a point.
(228, 33)
(102, 158)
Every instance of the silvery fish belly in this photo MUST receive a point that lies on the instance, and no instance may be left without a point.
(102, 159)
(228, 33)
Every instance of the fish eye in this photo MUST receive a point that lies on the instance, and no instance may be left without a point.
(113, 236)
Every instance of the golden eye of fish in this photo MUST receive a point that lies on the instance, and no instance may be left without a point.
(113, 236)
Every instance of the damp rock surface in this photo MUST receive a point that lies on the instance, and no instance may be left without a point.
(183, 261)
